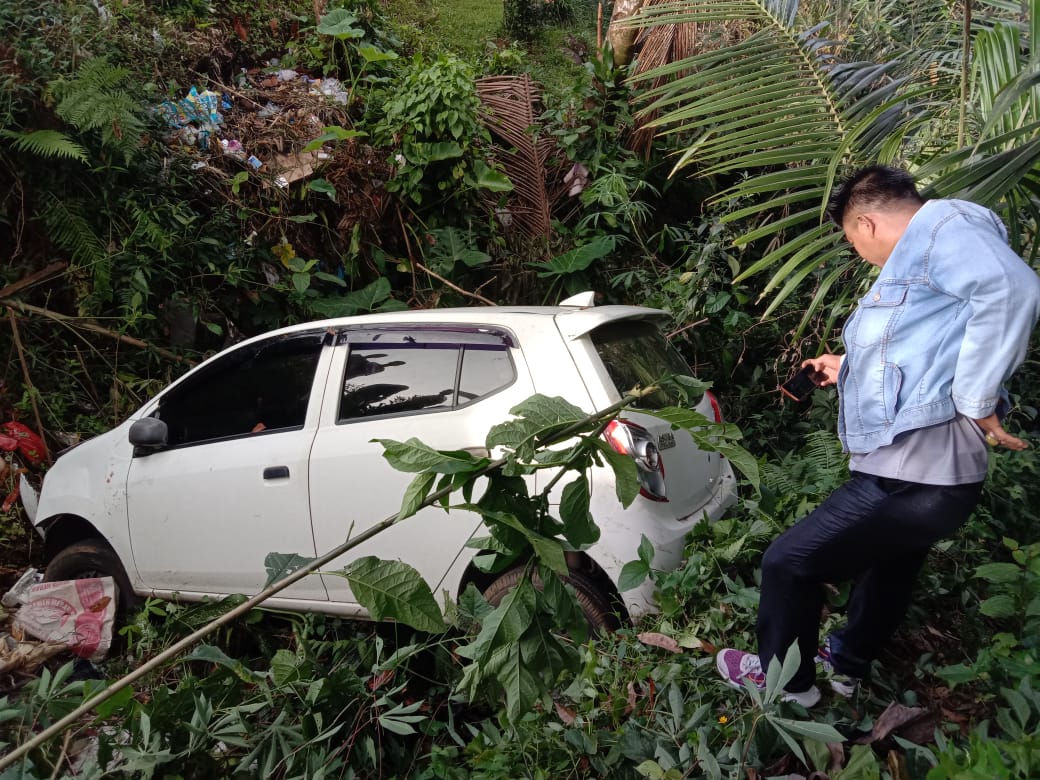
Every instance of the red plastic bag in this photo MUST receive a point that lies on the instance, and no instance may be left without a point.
(18, 437)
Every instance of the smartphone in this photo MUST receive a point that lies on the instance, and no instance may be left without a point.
(800, 386)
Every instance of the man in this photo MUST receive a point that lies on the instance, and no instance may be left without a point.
(920, 396)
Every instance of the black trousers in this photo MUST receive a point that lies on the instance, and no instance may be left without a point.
(874, 530)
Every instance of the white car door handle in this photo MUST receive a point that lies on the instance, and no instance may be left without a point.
(276, 472)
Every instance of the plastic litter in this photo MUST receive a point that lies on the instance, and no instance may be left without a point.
(332, 88)
(233, 148)
(271, 109)
(76, 614)
(19, 592)
(195, 116)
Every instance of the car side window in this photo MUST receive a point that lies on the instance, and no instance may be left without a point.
(406, 373)
(262, 387)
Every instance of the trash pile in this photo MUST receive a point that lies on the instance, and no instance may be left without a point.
(261, 124)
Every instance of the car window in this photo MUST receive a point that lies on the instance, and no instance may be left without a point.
(636, 353)
(262, 387)
(407, 372)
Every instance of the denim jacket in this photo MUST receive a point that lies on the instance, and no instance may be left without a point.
(944, 325)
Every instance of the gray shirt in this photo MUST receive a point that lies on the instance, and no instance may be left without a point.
(950, 453)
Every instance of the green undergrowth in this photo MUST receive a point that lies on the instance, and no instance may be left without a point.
(282, 695)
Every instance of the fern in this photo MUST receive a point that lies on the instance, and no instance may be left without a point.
(147, 229)
(801, 479)
(69, 230)
(96, 100)
(49, 144)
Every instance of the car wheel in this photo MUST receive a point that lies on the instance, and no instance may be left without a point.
(594, 603)
(92, 558)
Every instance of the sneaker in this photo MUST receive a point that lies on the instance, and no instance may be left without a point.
(844, 685)
(736, 666)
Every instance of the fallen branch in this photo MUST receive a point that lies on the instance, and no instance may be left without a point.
(33, 278)
(77, 322)
(685, 327)
(455, 287)
(28, 382)
(174, 650)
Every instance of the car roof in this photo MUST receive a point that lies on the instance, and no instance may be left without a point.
(573, 321)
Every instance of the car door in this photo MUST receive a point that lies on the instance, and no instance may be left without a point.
(444, 386)
(231, 486)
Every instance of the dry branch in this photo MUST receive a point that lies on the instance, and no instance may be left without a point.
(33, 278)
(28, 382)
(77, 322)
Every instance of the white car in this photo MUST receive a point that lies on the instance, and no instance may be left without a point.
(267, 447)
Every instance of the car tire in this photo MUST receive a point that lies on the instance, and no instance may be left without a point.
(92, 558)
(594, 603)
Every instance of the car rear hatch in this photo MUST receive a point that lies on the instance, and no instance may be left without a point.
(633, 352)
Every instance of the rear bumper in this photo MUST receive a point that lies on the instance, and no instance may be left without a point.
(622, 530)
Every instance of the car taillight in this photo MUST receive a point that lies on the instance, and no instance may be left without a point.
(715, 408)
(635, 441)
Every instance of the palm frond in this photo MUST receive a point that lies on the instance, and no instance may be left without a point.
(779, 114)
(532, 161)
(1001, 168)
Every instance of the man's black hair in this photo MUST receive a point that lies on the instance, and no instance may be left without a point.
(874, 186)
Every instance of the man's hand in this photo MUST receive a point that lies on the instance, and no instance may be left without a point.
(996, 436)
(825, 369)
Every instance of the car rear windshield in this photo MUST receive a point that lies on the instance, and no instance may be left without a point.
(637, 354)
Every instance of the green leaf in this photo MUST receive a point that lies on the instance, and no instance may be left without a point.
(329, 135)
(504, 626)
(301, 281)
(626, 473)
(374, 297)
(281, 565)
(578, 526)
(821, 732)
(414, 456)
(116, 702)
(214, 655)
(957, 673)
(339, 22)
(1002, 606)
(507, 667)
(711, 436)
(651, 769)
(547, 550)
(322, 186)
(416, 493)
(393, 589)
(787, 737)
(371, 54)
(331, 278)
(578, 259)
(287, 667)
(633, 574)
(646, 551)
(539, 418)
(446, 150)
(998, 572)
(862, 765)
(489, 179)
(238, 180)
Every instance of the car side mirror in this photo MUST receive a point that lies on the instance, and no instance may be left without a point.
(148, 435)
